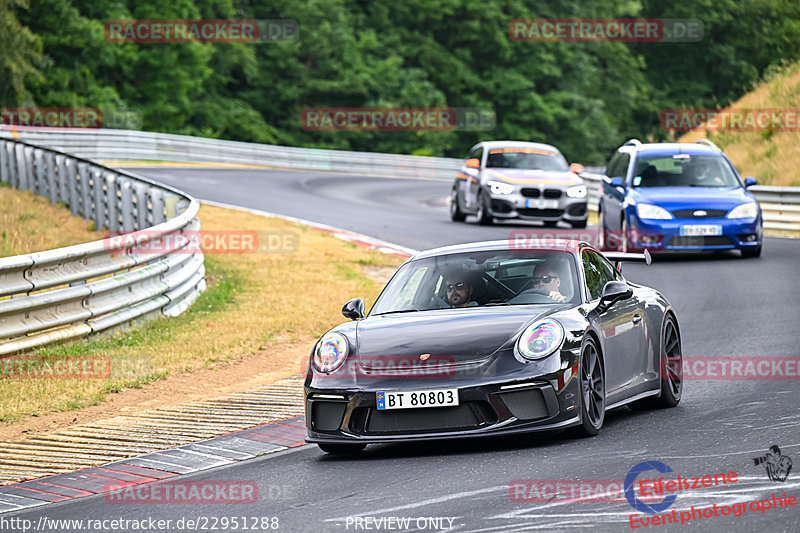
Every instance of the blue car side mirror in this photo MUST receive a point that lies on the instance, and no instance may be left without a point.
(616, 182)
(749, 181)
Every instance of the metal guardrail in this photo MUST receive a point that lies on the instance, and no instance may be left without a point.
(155, 269)
(109, 144)
(780, 204)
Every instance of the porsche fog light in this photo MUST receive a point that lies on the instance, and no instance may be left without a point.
(747, 210)
(540, 339)
(330, 352)
(578, 191)
(498, 187)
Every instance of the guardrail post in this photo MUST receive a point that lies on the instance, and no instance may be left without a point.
(126, 205)
(52, 184)
(85, 202)
(110, 201)
(17, 173)
(98, 186)
(74, 188)
(4, 171)
(141, 205)
(39, 184)
(171, 206)
(27, 167)
(157, 206)
(63, 179)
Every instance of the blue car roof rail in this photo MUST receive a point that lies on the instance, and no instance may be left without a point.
(708, 143)
(632, 142)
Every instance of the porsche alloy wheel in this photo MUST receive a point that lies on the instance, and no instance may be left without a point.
(671, 369)
(593, 391)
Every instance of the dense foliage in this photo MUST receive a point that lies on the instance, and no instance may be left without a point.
(586, 98)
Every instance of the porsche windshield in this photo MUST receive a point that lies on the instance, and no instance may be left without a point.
(481, 279)
(684, 170)
(526, 158)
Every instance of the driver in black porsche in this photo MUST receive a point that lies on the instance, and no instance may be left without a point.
(547, 278)
(458, 290)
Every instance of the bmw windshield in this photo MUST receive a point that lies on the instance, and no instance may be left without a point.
(684, 170)
(526, 159)
(480, 279)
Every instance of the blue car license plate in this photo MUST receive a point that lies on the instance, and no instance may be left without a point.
(701, 230)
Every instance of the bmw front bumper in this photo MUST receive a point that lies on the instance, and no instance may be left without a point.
(516, 205)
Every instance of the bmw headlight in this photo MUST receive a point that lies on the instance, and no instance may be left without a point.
(577, 191)
(330, 352)
(540, 339)
(653, 212)
(748, 210)
(499, 187)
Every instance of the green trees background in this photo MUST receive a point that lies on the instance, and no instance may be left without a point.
(585, 98)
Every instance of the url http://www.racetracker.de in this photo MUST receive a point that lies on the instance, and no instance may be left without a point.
(198, 523)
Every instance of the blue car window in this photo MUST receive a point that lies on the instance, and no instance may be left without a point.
(683, 170)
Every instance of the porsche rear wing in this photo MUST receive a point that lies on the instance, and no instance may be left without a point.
(619, 257)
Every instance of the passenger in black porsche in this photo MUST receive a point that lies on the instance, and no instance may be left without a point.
(547, 278)
(458, 289)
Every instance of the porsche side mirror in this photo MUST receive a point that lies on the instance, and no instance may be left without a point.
(576, 168)
(473, 163)
(616, 182)
(613, 292)
(749, 181)
(354, 309)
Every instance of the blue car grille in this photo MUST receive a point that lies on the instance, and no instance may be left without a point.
(709, 213)
(712, 240)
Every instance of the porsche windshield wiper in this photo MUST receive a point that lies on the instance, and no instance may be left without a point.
(397, 311)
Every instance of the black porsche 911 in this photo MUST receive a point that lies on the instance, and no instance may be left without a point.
(493, 338)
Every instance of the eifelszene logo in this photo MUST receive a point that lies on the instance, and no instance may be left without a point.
(639, 504)
(776, 464)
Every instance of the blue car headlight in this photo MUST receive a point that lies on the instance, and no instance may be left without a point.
(330, 352)
(540, 339)
(651, 211)
(748, 210)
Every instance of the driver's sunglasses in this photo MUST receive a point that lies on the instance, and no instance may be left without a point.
(457, 286)
(543, 279)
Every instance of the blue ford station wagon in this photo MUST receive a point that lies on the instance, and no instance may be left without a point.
(678, 197)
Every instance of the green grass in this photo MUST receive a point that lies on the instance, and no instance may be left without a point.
(130, 352)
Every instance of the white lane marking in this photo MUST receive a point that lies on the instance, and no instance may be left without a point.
(423, 503)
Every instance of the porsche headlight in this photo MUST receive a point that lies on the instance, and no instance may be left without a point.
(748, 210)
(330, 352)
(499, 187)
(653, 212)
(540, 339)
(577, 191)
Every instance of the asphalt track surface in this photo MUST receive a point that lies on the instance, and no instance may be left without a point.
(726, 306)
